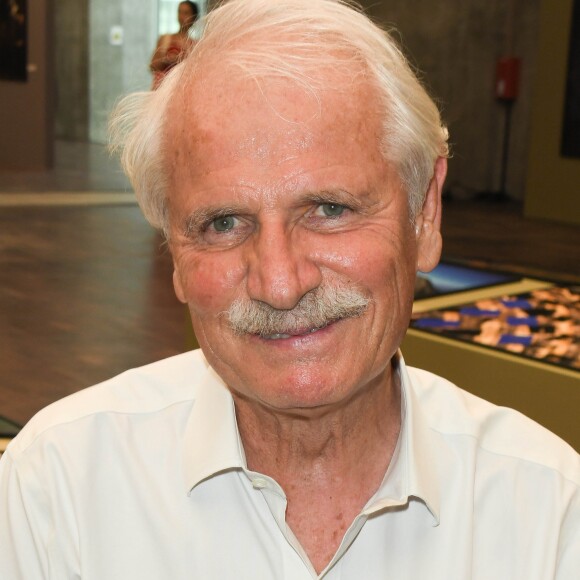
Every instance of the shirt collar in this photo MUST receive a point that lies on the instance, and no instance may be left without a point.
(212, 441)
(213, 445)
(413, 470)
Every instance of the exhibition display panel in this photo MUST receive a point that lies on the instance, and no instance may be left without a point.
(514, 342)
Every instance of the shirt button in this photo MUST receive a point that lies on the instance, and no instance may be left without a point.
(259, 483)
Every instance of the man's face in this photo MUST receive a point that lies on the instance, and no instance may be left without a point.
(274, 194)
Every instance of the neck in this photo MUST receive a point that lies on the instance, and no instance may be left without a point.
(323, 444)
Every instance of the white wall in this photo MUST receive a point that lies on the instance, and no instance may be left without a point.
(115, 70)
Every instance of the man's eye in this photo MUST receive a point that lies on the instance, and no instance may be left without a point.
(224, 224)
(332, 209)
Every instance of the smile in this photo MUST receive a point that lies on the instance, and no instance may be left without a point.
(280, 336)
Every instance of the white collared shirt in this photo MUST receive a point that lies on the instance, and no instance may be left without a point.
(144, 477)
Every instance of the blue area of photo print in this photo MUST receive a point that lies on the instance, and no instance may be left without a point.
(448, 278)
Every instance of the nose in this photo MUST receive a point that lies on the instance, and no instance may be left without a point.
(280, 268)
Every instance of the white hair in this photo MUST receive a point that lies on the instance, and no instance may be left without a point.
(293, 39)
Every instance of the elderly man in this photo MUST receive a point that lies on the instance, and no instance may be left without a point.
(296, 165)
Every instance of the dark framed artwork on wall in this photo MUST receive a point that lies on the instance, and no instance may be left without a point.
(13, 40)
(571, 124)
(553, 166)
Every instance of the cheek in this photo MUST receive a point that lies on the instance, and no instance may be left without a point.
(211, 281)
(372, 258)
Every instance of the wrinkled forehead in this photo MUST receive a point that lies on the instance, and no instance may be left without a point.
(260, 110)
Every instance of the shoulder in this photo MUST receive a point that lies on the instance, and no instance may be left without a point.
(501, 433)
(144, 390)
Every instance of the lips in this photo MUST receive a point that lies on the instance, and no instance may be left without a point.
(299, 332)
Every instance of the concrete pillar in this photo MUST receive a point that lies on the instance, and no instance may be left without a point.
(71, 44)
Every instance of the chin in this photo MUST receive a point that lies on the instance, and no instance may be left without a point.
(294, 390)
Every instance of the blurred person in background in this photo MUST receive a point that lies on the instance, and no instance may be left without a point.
(171, 48)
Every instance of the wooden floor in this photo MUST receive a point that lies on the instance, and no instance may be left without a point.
(85, 293)
(85, 289)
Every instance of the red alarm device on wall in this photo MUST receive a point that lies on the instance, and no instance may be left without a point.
(507, 78)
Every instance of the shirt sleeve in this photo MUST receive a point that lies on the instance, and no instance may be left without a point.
(23, 527)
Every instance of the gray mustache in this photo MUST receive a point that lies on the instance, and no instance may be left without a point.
(316, 309)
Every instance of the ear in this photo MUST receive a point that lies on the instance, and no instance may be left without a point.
(428, 222)
(178, 287)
